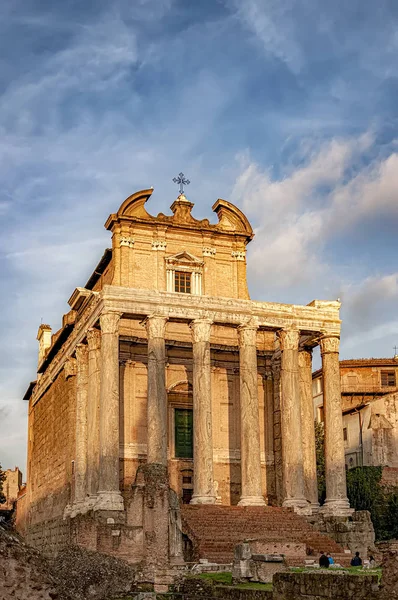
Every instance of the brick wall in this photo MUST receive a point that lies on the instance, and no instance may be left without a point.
(50, 455)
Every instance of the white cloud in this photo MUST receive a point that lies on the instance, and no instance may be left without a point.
(329, 192)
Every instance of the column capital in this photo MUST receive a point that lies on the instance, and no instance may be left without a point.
(201, 329)
(288, 339)
(155, 326)
(81, 352)
(330, 344)
(247, 333)
(70, 367)
(94, 339)
(305, 356)
(109, 322)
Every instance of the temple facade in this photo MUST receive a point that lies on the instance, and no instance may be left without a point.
(167, 381)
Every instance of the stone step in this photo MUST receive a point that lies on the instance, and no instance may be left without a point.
(216, 530)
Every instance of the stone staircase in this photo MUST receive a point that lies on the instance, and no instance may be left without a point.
(215, 530)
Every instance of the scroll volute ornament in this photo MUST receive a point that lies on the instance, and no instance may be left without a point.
(200, 330)
(329, 344)
(289, 339)
(109, 322)
(155, 326)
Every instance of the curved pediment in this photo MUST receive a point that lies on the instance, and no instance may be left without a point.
(230, 218)
(133, 206)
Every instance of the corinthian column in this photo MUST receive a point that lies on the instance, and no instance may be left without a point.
(250, 458)
(292, 451)
(93, 413)
(81, 428)
(203, 489)
(157, 397)
(308, 428)
(336, 502)
(109, 496)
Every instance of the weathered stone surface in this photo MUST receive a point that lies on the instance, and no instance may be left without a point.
(389, 582)
(81, 427)
(307, 428)
(249, 419)
(316, 586)
(251, 566)
(109, 497)
(93, 413)
(24, 573)
(336, 502)
(356, 532)
(203, 491)
(292, 453)
(157, 398)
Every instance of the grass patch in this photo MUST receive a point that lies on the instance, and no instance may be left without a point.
(222, 577)
(225, 578)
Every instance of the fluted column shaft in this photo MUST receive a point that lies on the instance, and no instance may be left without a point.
(308, 428)
(157, 396)
(249, 419)
(203, 492)
(93, 411)
(109, 496)
(336, 502)
(81, 423)
(292, 451)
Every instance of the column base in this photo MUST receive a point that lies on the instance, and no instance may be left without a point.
(203, 499)
(315, 507)
(301, 506)
(91, 501)
(109, 501)
(252, 501)
(78, 508)
(338, 507)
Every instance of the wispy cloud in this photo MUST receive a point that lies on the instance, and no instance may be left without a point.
(97, 101)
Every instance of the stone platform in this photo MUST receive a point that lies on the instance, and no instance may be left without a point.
(215, 531)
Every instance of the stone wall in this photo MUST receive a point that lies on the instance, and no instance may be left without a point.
(355, 533)
(51, 452)
(316, 586)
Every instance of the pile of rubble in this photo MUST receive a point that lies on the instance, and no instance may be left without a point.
(75, 574)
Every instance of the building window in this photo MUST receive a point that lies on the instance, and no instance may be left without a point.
(321, 414)
(345, 435)
(183, 432)
(182, 282)
(388, 378)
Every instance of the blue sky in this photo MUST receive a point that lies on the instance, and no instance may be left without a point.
(287, 108)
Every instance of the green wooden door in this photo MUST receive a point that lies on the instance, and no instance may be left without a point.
(183, 433)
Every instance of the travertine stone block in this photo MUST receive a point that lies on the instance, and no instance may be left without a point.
(249, 411)
(336, 488)
(307, 428)
(93, 413)
(109, 496)
(203, 492)
(292, 453)
(157, 397)
(81, 426)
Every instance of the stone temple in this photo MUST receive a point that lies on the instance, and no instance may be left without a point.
(167, 386)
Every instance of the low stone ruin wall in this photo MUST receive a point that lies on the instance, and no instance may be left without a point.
(316, 586)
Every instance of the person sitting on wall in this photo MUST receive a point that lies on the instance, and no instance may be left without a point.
(324, 561)
(372, 562)
(356, 561)
(330, 558)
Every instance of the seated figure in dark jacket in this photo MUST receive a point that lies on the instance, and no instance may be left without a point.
(324, 561)
(356, 561)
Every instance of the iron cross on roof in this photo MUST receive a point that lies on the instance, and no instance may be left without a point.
(181, 181)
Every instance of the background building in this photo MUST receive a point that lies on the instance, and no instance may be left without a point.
(11, 488)
(369, 401)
